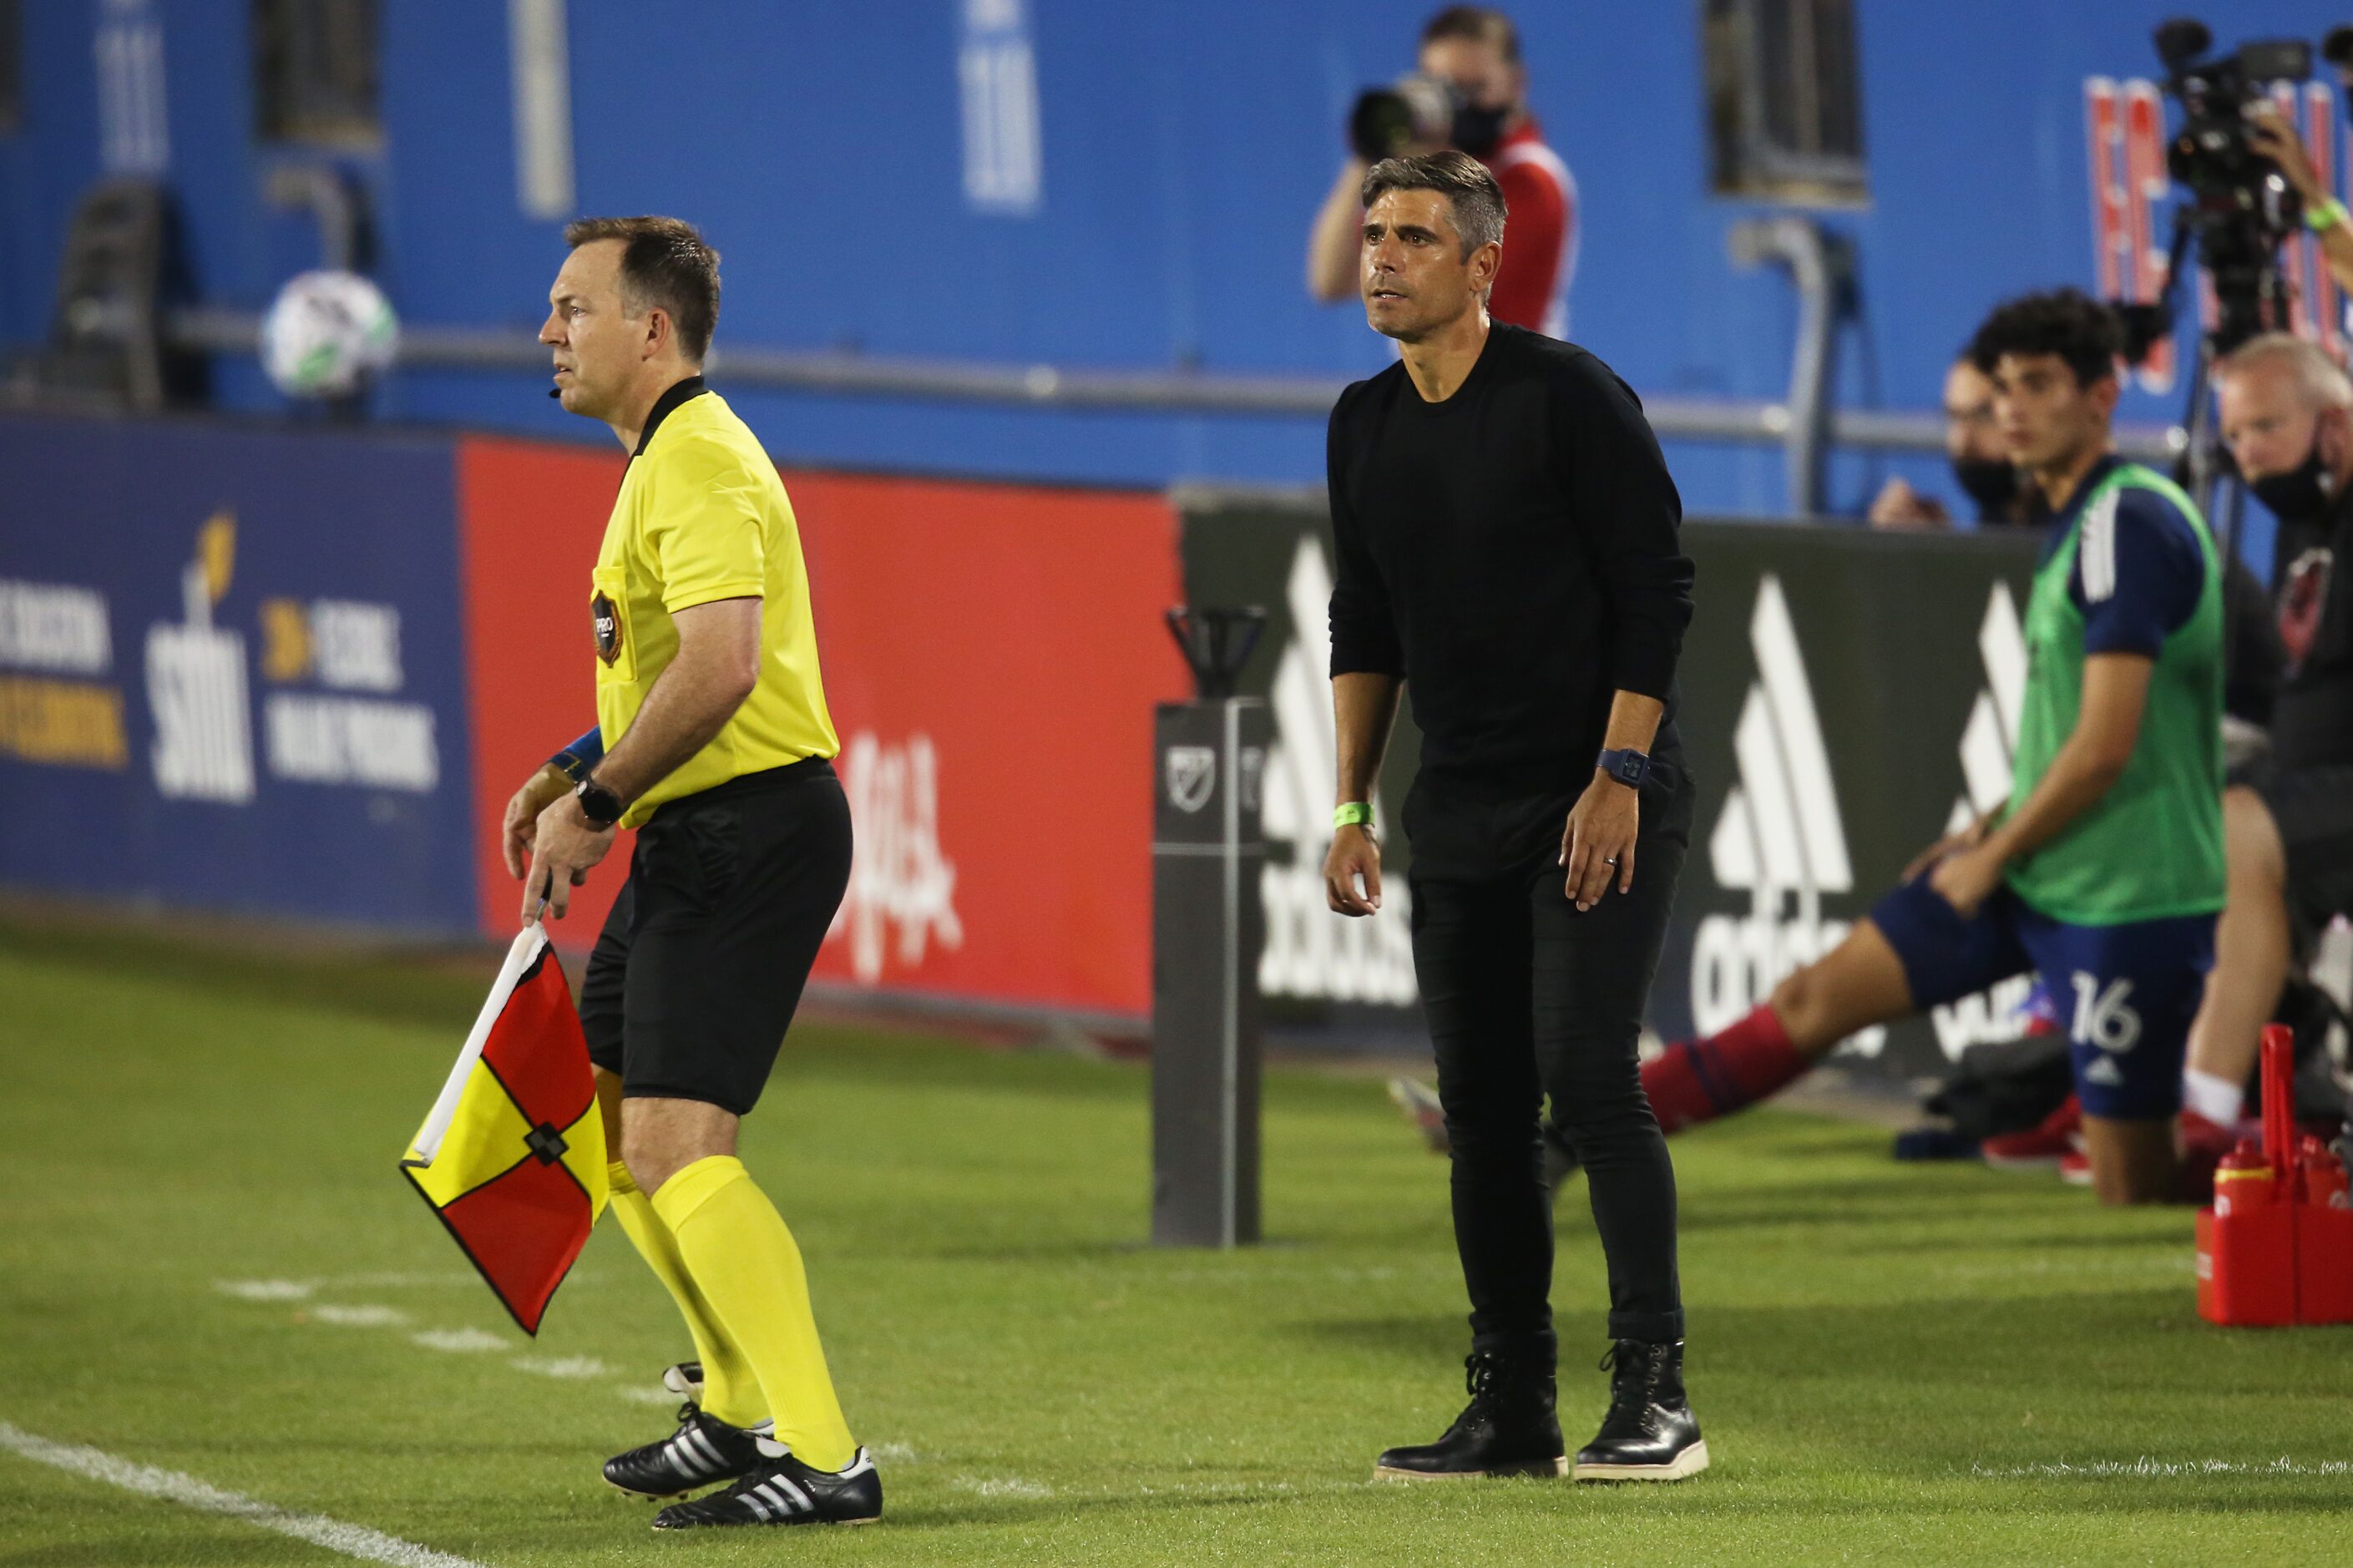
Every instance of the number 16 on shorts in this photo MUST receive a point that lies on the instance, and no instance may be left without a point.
(2136, 989)
(2103, 1015)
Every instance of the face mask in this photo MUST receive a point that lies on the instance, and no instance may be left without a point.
(1990, 482)
(2302, 491)
(1477, 129)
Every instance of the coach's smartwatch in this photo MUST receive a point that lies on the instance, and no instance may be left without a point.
(1628, 767)
(598, 804)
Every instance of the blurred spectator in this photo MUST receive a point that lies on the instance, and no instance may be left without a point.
(2287, 413)
(1974, 444)
(1474, 54)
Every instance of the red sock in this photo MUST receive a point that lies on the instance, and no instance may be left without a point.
(1699, 1080)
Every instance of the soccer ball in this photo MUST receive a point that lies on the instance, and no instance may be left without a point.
(326, 333)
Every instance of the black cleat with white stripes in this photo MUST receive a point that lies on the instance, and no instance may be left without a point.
(703, 1452)
(783, 1491)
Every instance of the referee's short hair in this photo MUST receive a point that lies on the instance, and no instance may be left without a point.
(2067, 322)
(1477, 199)
(664, 262)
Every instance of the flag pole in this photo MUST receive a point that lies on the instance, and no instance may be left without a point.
(427, 1143)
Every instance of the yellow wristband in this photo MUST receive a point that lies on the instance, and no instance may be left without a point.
(1353, 814)
(2324, 215)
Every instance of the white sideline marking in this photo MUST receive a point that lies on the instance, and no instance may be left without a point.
(171, 1486)
(407, 1279)
(397, 1279)
(467, 1339)
(360, 1317)
(578, 1367)
(2170, 1469)
(1002, 1486)
(637, 1395)
(894, 1454)
(264, 1290)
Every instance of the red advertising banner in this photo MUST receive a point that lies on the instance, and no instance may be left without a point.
(530, 515)
(992, 654)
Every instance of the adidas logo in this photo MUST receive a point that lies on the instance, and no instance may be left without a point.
(1780, 838)
(1988, 742)
(1311, 951)
(2103, 1070)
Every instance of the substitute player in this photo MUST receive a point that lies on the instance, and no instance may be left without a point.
(714, 741)
(2104, 873)
(1507, 545)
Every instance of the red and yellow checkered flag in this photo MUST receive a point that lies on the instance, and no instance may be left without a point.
(512, 1158)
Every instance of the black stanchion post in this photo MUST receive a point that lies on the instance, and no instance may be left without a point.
(1208, 927)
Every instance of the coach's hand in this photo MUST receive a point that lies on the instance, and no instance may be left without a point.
(522, 826)
(1355, 853)
(568, 845)
(1597, 845)
(1967, 880)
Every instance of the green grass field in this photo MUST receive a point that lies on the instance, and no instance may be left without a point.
(1924, 1364)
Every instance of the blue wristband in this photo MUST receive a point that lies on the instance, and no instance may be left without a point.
(582, 755)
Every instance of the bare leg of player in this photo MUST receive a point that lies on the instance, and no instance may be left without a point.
(2132, 1161)
(2250, 946)
(1857, 984)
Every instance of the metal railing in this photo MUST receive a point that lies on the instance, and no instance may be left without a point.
(1799, 428)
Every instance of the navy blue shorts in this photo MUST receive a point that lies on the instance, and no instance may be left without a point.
(2125, 994)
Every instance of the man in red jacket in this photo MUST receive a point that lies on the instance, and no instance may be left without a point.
(1475, 52)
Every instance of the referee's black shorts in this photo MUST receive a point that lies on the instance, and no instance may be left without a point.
(2313, 808)
(703, 957)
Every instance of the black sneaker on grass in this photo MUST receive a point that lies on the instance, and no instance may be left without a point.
(783, 1491)
(1650, 1434)
(1507, 1429)
(703, 1452)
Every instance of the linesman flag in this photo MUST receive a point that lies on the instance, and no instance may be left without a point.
(513, 1156)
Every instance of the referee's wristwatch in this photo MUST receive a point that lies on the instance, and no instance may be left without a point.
(599, 805)
(1628, 767)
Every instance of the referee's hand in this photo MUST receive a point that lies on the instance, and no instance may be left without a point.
(1355, 857)
(567, 845)
(1597, 845)
(539, 792)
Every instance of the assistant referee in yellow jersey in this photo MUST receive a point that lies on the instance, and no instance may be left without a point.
(712, 740)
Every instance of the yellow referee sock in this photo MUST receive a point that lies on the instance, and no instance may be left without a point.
(745, 1263)
(731, 1391)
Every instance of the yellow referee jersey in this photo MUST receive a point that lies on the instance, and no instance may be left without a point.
(701, 516)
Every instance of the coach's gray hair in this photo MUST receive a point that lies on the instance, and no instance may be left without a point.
(2320, 381)
(1477, 199)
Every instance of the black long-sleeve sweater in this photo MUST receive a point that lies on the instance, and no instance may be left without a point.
(1512, 553)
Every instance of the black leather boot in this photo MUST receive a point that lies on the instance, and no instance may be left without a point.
(1650, 1434)
(1507, 1429)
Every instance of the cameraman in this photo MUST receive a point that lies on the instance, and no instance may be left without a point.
(2276, 139)
(1474, 53)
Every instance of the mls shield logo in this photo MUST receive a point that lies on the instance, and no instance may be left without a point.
(607, 622)
(1192, 776)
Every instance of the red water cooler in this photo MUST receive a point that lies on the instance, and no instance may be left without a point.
(2277, 1245)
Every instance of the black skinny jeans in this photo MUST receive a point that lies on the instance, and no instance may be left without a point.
(1526, 997)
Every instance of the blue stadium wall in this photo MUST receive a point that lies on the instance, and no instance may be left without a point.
(1184, 149)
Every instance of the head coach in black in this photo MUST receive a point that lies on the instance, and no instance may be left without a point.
(1506, 534)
